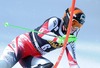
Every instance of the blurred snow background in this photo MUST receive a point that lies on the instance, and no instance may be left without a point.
(32, 13)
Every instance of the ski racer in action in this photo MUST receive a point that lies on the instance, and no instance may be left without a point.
(28, 49)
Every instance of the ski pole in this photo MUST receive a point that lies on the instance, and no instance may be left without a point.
(6, 24)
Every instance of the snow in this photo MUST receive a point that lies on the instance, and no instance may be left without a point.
(88, 56)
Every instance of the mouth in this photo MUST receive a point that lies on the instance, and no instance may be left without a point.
(74, 29)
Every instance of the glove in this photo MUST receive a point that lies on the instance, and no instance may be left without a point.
(61, 39)
(71, 38)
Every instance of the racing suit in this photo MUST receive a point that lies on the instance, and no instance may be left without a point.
(30, 47)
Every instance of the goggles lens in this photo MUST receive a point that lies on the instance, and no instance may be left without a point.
(80, 18)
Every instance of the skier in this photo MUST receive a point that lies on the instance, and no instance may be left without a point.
(28, 49)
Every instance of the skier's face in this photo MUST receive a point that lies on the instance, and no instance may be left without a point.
(76, 24)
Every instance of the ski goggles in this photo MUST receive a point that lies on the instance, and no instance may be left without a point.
(80, 17)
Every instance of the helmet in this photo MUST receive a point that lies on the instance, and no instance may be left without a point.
(78, 17)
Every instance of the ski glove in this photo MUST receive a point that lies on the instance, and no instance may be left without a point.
(71, 38)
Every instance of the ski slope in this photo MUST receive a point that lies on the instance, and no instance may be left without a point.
(31, 13)
(88, 56)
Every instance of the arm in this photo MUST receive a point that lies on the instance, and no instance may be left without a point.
(71, 54)
(48, 29)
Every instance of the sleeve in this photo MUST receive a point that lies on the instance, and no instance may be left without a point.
(70, 52)
(46, 29)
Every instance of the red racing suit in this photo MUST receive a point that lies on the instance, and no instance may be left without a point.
(37, 44)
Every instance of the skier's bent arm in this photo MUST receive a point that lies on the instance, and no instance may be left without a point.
(46, 29)
(51, 25)
(71, 54)
(49, 36)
